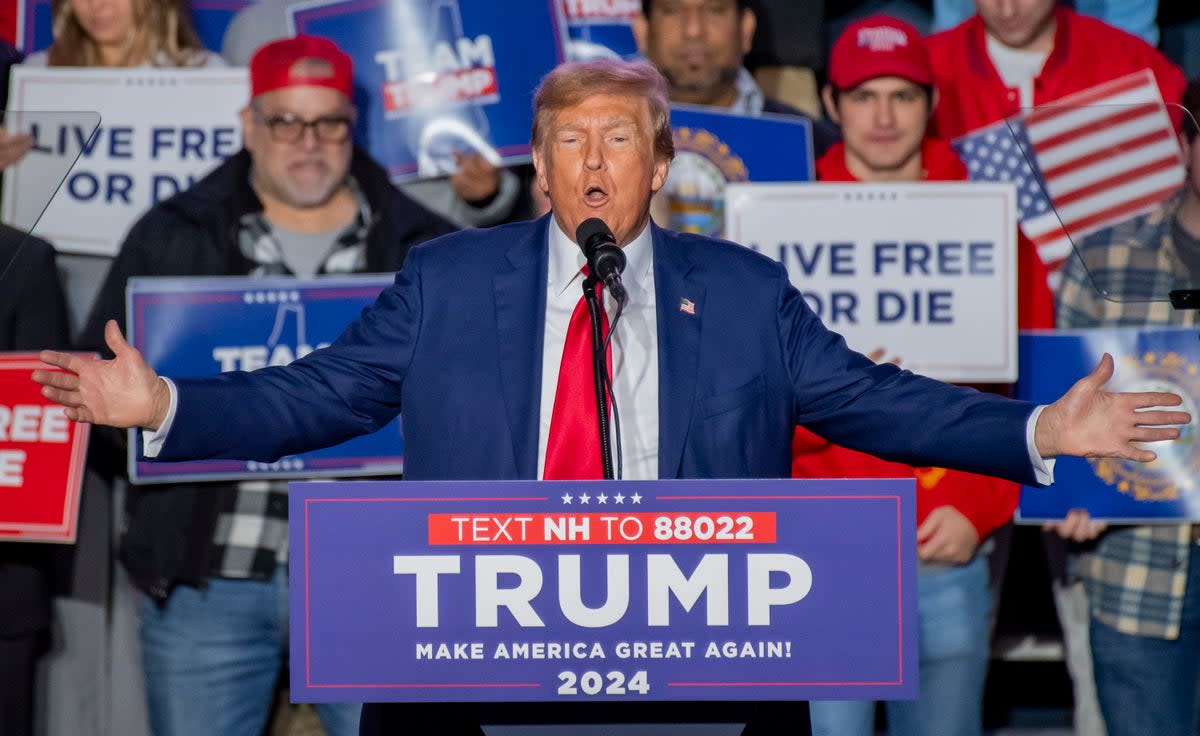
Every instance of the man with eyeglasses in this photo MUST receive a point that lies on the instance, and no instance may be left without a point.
(210, 559)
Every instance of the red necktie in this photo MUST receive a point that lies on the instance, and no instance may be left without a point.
(573, 446)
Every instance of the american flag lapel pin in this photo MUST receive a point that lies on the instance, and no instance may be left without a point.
(687, 306)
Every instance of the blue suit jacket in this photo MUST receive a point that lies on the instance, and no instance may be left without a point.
(456, 343)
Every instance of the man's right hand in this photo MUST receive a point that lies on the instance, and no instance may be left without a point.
(122, 392)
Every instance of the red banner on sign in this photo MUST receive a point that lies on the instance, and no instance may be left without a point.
(42, 457)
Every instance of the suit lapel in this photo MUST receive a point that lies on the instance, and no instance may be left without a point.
(520, 327)
(678, 346)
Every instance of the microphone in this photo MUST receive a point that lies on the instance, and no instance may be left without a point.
(605, 259)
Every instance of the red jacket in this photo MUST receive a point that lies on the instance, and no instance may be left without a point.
(1086, 52)
(987, 502)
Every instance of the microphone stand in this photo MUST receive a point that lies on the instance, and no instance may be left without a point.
(600, 373)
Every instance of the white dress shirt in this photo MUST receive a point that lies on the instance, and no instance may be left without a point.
(634, 348)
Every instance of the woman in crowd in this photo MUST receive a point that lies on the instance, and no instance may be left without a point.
(123, 33)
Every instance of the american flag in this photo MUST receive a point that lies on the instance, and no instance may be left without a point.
(1087, 161)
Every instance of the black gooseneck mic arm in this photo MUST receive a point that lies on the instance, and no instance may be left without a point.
(605, 262)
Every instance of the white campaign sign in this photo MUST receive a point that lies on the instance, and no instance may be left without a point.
(926, 271)
(160, 130)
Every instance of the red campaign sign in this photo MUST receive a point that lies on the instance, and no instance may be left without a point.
(42, 456)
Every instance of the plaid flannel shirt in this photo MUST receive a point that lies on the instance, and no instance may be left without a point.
(251, 536)
(1135, 576)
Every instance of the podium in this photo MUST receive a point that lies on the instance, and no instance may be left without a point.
(603, 592)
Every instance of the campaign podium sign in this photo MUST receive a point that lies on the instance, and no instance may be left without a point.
(927, 271)
(1146, 359)
(42, 456)
(437, 78)
(189, 327)
(587, 591)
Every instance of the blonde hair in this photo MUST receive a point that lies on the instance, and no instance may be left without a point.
(162, 30)
(571, 83)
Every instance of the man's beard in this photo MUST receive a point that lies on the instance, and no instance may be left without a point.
(707, 91)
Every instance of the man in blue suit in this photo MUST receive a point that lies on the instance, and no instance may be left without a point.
(716, 358)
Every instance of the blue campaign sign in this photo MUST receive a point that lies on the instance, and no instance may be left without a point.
(212, 17)
(714, 148)
(204, 326)
(1160, 359)
(440, 77)
(35, 25)
(601, 29)
(619, 590)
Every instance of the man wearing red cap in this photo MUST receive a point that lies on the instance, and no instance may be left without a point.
(881, 93)
(210, 559)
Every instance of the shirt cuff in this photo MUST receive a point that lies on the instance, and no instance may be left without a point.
(1043, 468)
(152, 439)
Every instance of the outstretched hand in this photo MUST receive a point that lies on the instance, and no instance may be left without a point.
(1089, 421)
(122, 392)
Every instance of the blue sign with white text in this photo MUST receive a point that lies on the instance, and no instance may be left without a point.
(1152, 359)
(437, 79)
(601, 29)
(714, 148)
(619, 590)
(205, 326)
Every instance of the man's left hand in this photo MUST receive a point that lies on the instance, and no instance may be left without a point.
(1091, 422)
(476, 180)
(946, 536)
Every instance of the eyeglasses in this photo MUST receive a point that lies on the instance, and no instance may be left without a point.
(287, 128)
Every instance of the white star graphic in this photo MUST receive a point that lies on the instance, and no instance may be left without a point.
(602, 498)
(636, 498)
(566, 498)
(619, 498)
(584, 498)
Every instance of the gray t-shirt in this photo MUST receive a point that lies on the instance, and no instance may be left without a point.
(305, 252)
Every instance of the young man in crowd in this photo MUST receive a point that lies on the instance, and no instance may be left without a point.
(881, 93)
(210, 559)
(1143, 582)
(1018, 54)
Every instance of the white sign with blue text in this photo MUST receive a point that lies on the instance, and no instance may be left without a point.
(927, 272)
(160, 130)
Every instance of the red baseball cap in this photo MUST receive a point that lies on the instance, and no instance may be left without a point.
(300, 60)
(879, 46)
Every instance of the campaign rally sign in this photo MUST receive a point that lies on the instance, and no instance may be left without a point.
(35, 25)
(162, 130)
(925, 271)
(601, 29)
(437, 78)
(714, 149)
(1151, 359)
(204, 326)
(211, 17)
(42, 456)
(591, 591)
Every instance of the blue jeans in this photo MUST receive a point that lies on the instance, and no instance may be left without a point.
(212, 657)
(1147, 685)
(952, 615)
